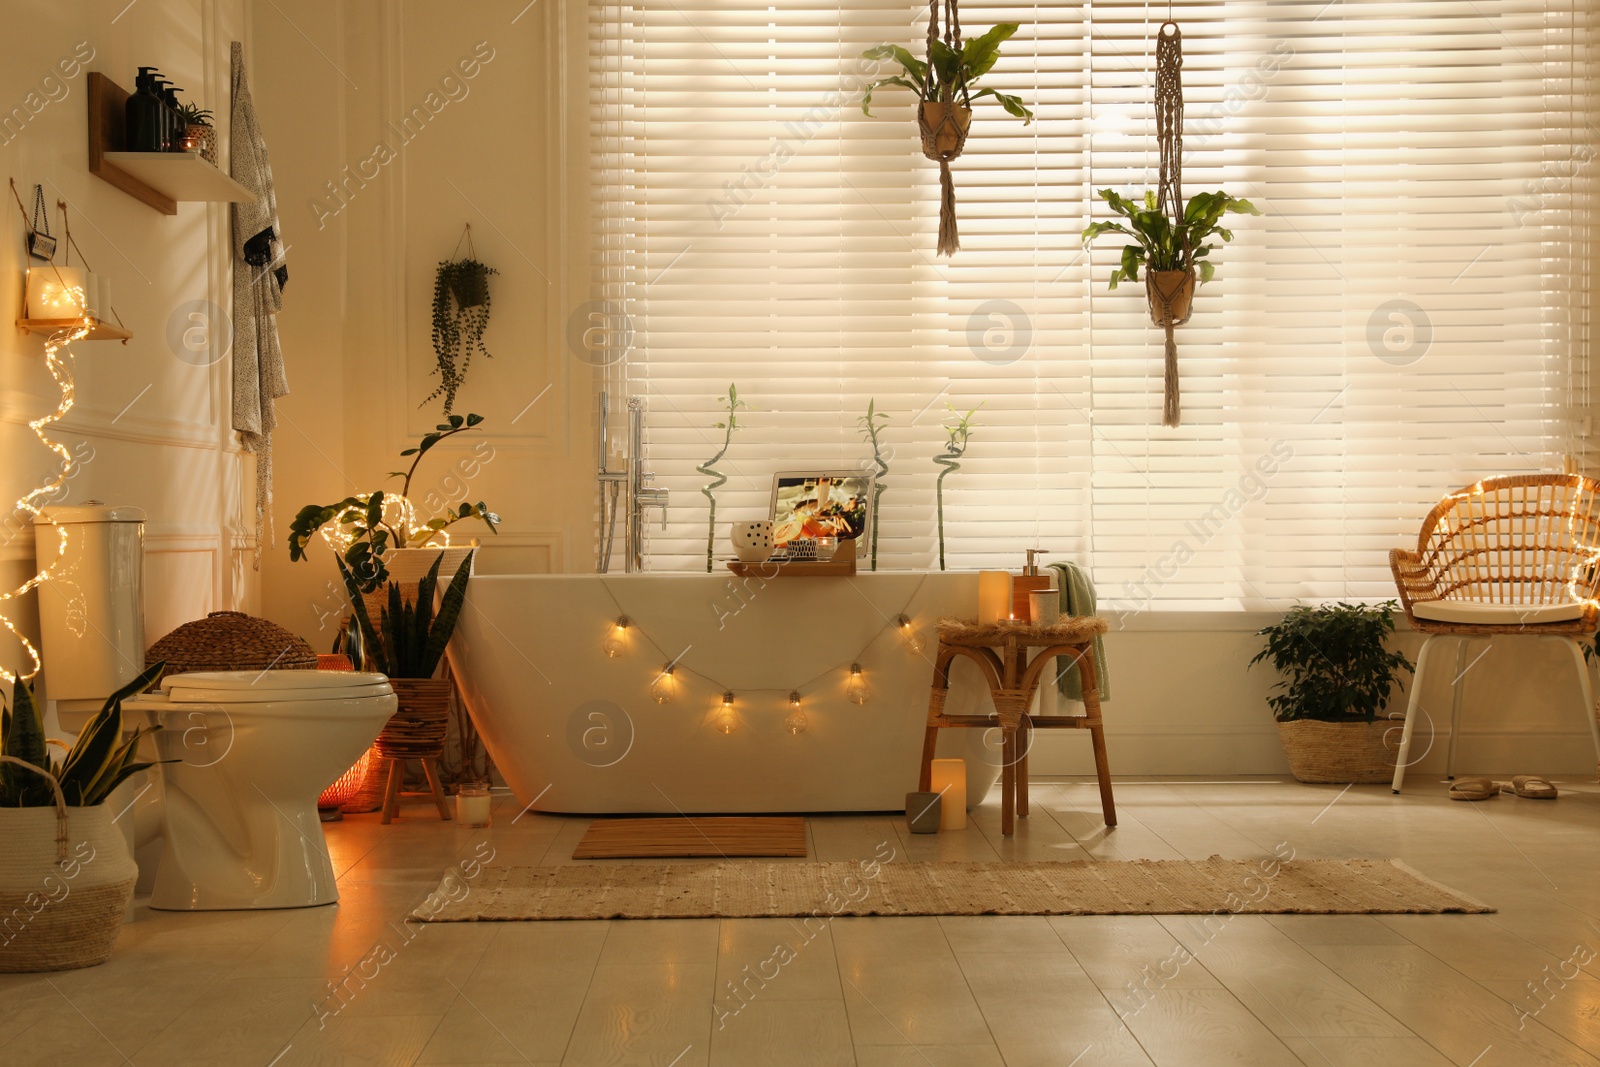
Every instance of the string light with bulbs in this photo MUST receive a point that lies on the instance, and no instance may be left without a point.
(724, 713)
(56, 344)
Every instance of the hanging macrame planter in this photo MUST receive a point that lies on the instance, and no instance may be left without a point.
(1170, 233)
(1170, 292)
(943, 83)
(943, 122)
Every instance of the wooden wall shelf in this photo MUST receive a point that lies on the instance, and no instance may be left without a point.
(161, 179)
(98, 330)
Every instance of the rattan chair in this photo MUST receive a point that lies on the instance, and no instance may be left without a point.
(1512, 555)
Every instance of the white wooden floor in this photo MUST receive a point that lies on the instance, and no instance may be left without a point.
(1518, 987)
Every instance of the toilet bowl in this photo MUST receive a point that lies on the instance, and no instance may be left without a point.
(251, 752)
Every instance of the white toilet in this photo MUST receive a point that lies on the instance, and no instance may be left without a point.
(254, 749)
(237, 814)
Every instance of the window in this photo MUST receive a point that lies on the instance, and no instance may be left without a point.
(1410, 312)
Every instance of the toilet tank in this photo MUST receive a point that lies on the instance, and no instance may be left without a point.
(91, 608)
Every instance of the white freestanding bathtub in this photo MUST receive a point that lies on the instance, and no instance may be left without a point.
(574, 730)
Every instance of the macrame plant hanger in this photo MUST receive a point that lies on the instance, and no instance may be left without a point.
(1171, 292)
(944, 122)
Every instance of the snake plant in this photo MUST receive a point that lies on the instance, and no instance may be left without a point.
(409, 639)
(99, 761)
(710, 471)
(957, 436)
(869, 432)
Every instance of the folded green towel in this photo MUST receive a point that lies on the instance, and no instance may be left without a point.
(1077, 598)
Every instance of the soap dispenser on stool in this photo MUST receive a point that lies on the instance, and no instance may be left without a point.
(1029, 581)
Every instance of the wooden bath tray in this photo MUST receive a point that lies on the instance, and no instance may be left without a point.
(833, 568)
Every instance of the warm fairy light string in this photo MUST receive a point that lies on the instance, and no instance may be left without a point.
(402, 518)
(1585, 558)
(57, 343)
(725, 717)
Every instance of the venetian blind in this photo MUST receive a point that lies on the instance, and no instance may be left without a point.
(1409, 313)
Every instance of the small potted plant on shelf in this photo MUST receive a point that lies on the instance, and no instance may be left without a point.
(369, 530)
(66, 875)
(198, 134)
(1338, 675)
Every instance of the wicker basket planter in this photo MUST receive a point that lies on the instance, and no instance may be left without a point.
(417, 728)
(65, 882)
(1339, 752)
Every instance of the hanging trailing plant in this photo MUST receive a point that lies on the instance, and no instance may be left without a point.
(709, 470)
(1172, 236)
(460, 317)
(870, 428)
(944, 84)
(958, 435)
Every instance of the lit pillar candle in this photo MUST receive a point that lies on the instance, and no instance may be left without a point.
(950, 782)
(994, 595)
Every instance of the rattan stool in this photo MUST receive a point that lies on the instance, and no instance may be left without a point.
(1002, 653)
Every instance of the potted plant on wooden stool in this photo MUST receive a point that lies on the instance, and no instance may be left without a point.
(407, 644)
(66, 876)
(1337, 677)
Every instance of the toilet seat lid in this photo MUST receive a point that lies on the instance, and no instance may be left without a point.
(255, 687)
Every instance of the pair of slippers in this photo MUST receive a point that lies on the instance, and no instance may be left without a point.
(1532, 786)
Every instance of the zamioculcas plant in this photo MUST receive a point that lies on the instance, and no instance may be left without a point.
(99, 761)
(371, 524)
(708, 468)
(870, 428)
(958, 435)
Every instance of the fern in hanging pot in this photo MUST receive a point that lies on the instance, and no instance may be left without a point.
(460, 317)
(1171, 237)
(945, 86)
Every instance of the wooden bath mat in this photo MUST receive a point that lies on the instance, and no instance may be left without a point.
(677, 837)
(1216, 888)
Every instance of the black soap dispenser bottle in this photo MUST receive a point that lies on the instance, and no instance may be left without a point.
(175, 123)
(145, 115)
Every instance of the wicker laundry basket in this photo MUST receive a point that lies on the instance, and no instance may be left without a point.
(231, 641)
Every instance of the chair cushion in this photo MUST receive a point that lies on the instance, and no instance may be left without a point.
(1476, 612)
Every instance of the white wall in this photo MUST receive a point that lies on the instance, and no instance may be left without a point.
(151, 429)
(505, 154)
(370, 205)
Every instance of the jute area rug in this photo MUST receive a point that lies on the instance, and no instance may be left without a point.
(1115, 887)
(680, 836)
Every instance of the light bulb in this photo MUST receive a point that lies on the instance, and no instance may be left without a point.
(795, 721)
(727, 718)
(661, 690)
(914, 638)
(856, 690)
(616, 642)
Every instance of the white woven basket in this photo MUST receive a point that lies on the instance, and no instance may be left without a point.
(66, 878)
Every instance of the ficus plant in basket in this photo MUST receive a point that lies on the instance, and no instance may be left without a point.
(1337, 670)
(362, 528)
